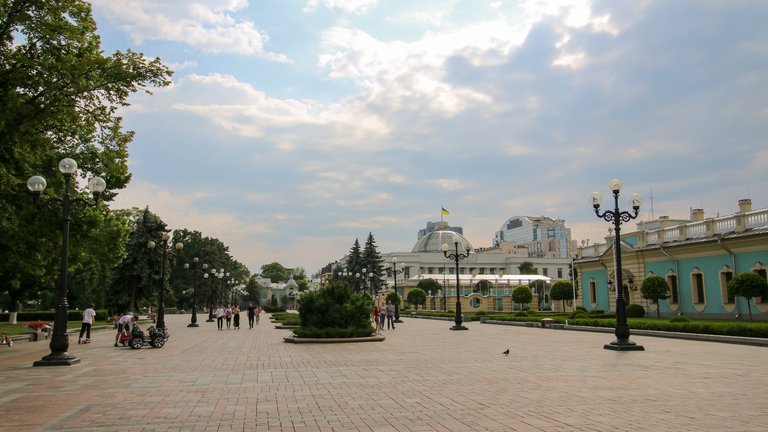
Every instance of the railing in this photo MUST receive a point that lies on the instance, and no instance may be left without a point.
(708, 227)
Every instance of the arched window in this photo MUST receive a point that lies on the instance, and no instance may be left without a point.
(674, 292)
(697, 286)
(726, 274)
(760, 269)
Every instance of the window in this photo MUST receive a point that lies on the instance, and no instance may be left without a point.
(431, 270)
(559, 272)
(725, 276)
(673, 290)
(697, 286)
(592, 291)
(544, 272)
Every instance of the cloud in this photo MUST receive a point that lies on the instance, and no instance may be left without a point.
(358, 7)
(207, 25)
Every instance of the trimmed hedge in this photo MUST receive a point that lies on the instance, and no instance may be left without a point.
(330, 332)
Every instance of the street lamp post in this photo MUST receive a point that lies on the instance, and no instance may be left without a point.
(207, 277)
(456, 257)
(195, 271)
(160, 322)
(396, 271)
(36, 184)
(622, 342)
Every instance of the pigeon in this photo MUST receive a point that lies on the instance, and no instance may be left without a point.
(506, 352)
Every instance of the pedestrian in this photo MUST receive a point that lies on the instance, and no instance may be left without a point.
(88, 316)
(228, 315)
(258, 314)
(376, 318)
(124, 325)
(236, 317)
(220, 316)
(382, 317)
(251, 315)
(390, 315)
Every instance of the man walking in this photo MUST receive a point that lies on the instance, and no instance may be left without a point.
(251, 314)
(89, 315)
(390, 315)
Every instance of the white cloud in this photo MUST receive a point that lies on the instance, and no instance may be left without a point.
(208, 25)
(358, 7)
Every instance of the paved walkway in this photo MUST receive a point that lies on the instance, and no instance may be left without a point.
(423, 377)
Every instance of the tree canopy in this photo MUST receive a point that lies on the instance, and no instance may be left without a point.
(561, 290)
(748, 285)
(655, 288)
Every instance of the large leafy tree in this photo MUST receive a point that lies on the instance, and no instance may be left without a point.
(373, 263)
(276, 272)
(655, 288)
(59, 96)
(748, 285)
(416, 297)
(429, 285)
(522, 295)
(526, 268)
(561, 290)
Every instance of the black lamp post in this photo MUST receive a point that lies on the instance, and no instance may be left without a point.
(622, 342)
(36, 184)
(160, 322)
(195, 271)
(396, 271)
(207, 278)
(456, 257)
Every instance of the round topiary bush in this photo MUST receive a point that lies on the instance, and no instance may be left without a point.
(335, 311)
(579, 314)
(521, 314)
(481, 313)
(635, 311)
(680, 319)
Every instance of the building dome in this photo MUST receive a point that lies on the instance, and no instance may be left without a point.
(433, 242)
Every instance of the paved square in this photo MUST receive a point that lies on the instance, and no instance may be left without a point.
(424, 377)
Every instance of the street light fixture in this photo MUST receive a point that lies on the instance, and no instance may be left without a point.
(396, 270)
(207, 278)
(622, 342)
(456, 257)
(160, 321)
(36, 184)
(195, 271)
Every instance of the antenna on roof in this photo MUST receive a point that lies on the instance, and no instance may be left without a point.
(651, 216)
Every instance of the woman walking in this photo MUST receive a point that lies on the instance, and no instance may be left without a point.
(236, 317)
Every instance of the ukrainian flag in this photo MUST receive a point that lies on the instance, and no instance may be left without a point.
(444, 211)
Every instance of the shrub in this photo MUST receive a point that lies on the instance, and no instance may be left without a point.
(335, 311)
(521, 314)
(635, 311)
(597, 312)
(481, 313)
(581, 308)
(680, 319)
(579, 315)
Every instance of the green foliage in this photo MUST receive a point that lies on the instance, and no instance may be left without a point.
(481, 313)
(428, 285)
(526, 268)
(416, 297)
(275, 272)
(393, 298)
(748, 285)
(335, 306)
(579, 315)
(373, 263)
(655, 288)
(328, 333)
(483, 287)
(561, 290)
(635, 311)
(680, 319)
(522, 295)
(521, 314)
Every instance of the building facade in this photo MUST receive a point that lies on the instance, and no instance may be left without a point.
(697, 257)
(544, 237)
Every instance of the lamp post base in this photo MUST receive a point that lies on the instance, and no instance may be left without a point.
(623, 345)
(57, 359)
(193, 325)
(398, 321)
(458, 327)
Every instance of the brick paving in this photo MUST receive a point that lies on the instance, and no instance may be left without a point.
(422, 378)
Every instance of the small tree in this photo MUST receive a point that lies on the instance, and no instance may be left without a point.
(561, 290)
(416, 297)
(393, 298)
(428, 285)
(522, 294)
(526, 268)
(748, 285)
(655, 288)
(335, 311)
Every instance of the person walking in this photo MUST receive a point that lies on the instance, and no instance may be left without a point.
(377, 318)
(228, 316)
(251, 315)
(258, 314)
(220, 312)
(390, 315)
(89, 315)
(236, 317)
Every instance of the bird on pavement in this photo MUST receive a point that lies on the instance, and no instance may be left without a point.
(506, 352)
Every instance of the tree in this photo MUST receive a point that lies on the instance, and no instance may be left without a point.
(275, 272)
(373, 263)
(60, 95)
(748, 285)
(561, 290)
(526, 268)
(392, 297)
(429, 285)
(522, 295)
(483, 287)
(655, 288)
(416, 297)
(355, 264)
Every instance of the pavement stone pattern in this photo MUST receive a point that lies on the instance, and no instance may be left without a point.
(423, 377)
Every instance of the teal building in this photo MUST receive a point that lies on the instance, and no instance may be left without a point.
(697, 257)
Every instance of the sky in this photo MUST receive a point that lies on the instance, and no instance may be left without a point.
(293, 127)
